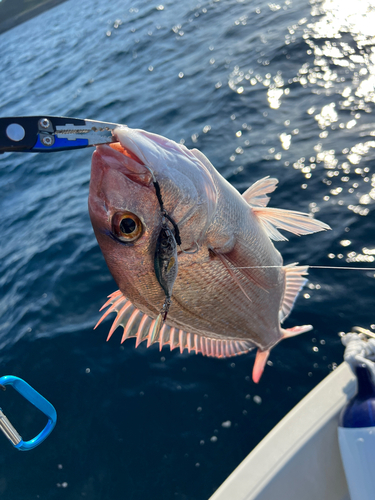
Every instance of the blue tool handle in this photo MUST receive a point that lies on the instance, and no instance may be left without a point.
(39, 402)
(21, 134)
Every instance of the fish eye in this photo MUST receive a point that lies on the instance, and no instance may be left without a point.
(126, 226)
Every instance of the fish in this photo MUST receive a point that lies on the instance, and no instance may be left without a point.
(230, 292)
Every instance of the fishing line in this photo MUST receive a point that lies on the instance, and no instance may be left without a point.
(347, 268)
(178, 239)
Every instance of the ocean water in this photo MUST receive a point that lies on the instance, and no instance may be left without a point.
(285, 89)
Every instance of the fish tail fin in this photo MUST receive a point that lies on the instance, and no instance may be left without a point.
(297, 223)
(259, 364)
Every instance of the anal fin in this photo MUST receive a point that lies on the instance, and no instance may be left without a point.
(257, 193)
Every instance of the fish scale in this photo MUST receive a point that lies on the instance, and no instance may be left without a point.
(231, 290)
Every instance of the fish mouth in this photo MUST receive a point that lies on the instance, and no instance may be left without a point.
(115, 157)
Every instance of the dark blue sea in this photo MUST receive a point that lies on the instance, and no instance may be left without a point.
(285, 89)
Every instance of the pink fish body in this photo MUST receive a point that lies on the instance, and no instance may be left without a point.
(232, 291)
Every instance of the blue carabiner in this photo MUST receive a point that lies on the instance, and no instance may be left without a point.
(39, 402)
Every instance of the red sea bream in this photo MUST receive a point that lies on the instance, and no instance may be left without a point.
(232, 292)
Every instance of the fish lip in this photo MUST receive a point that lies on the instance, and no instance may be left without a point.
(114, 156)
(124, 133)
(117, 146)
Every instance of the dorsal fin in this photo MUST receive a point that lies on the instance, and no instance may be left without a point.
(297, 223)
(257, 193)
(294, 281)
(140, 325)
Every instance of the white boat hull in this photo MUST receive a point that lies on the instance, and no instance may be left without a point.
(300, 458)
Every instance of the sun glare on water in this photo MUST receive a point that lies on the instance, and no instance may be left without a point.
(340, 69)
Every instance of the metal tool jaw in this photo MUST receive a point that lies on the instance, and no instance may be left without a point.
(45, 134)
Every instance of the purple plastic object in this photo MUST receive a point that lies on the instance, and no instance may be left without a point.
(360, 411)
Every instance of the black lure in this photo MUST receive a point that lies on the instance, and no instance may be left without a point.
(166, 264)
(165, 261)
(164, 213)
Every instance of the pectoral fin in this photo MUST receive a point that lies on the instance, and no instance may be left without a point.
(249, 274)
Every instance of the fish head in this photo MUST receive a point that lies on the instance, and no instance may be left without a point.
(124, 208)
(187, 187)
